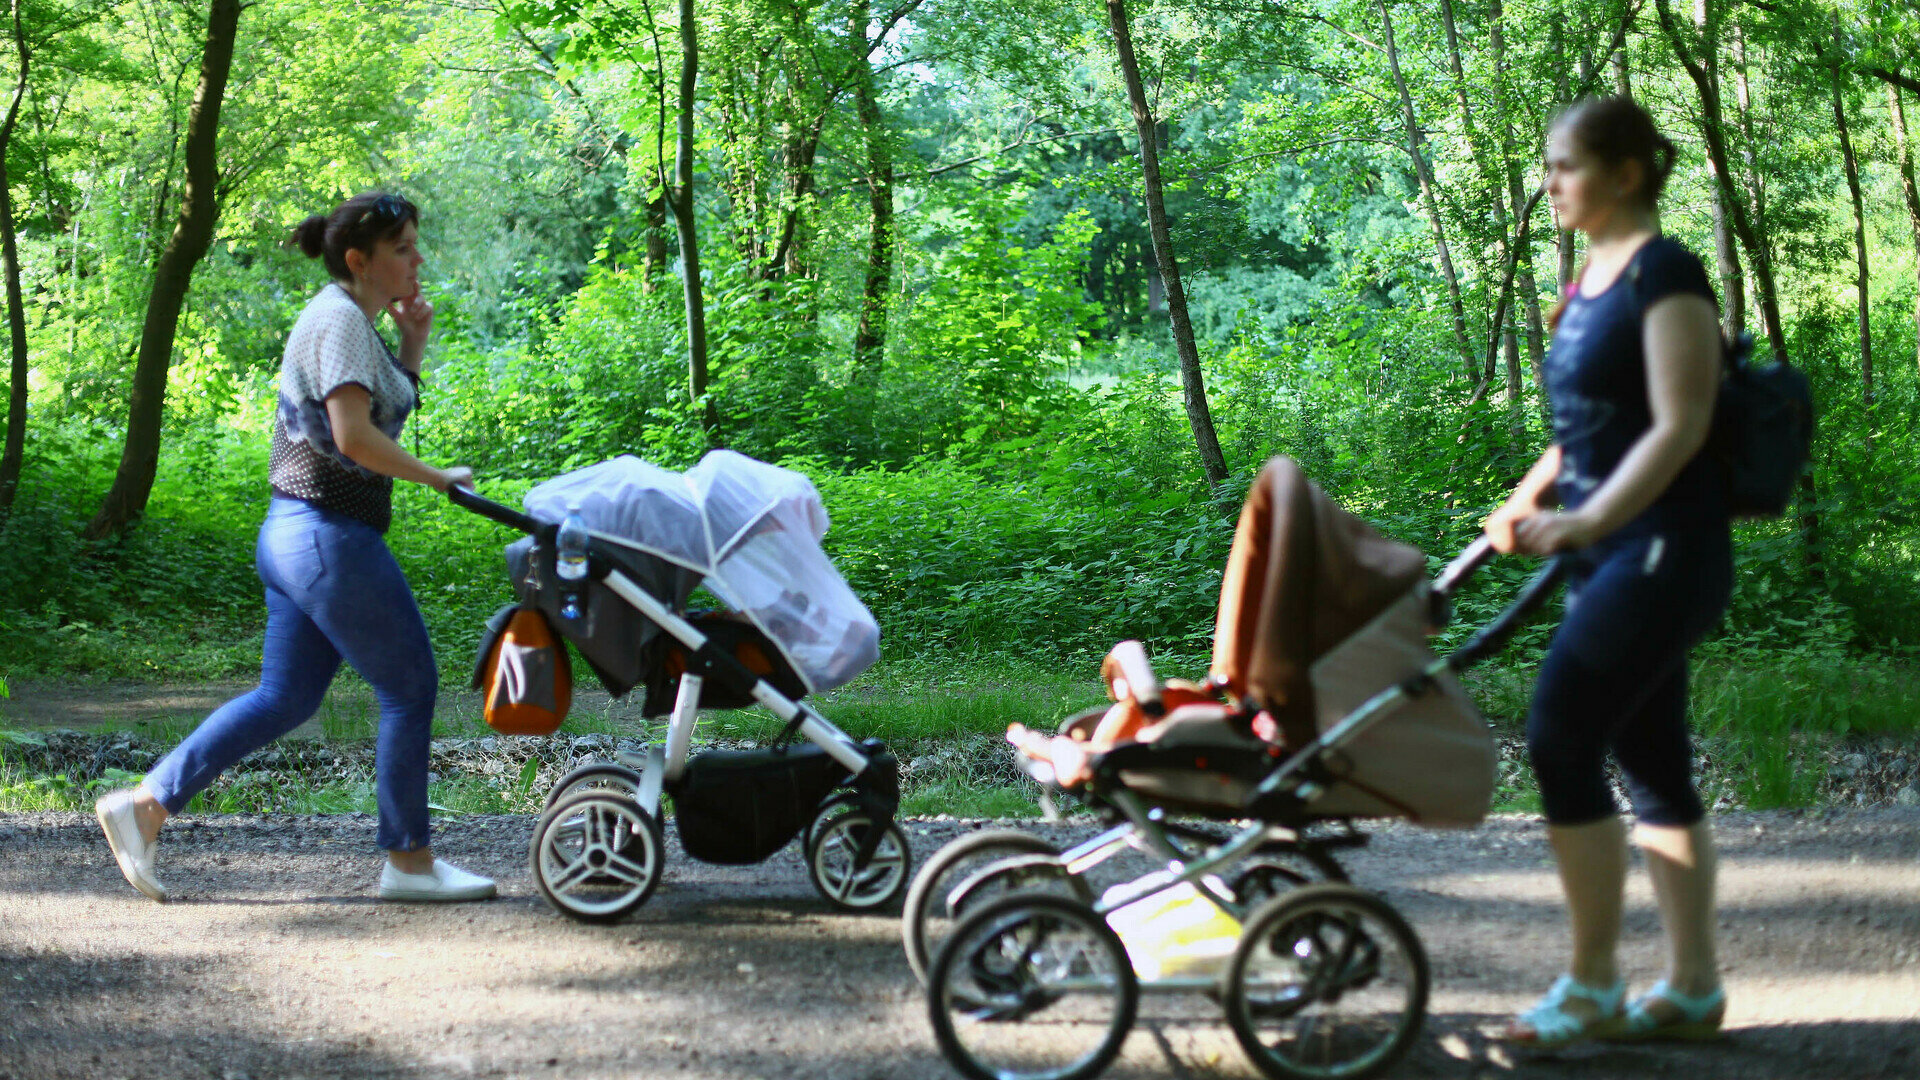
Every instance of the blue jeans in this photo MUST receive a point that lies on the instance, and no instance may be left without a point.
(334, 592)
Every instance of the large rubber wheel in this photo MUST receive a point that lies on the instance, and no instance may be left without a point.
(837, 835)
(599, 776)
(1031, 987)
(1270, 872)
(597, 856)
(929, 913)
(1328, 983)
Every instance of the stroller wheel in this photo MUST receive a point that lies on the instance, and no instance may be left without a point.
(599, 776)
(837, 835)
(597, 856)
(1328, 983)
(933, 899)
(833, 805)
(1266, 875)
(1031, 987)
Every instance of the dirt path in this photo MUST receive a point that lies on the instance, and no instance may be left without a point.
(275, 962)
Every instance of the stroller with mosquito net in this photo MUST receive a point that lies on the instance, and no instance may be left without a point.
(750, 532)
(1323, 706)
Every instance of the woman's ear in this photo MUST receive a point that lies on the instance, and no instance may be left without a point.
(1632, 175)
(356, 261)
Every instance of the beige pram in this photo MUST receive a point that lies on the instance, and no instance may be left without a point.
(1323, 705)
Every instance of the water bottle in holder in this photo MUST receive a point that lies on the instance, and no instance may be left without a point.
(570, 564)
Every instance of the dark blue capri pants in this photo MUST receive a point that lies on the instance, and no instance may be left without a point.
(1615, 676)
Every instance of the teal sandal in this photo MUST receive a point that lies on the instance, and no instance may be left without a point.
(1697, 1018)
(1548, 1026)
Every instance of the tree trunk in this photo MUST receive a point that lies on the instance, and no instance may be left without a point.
(1725, 253)
(173, 274)
(870, 337)
(1443, 256)
(680, 200)
(1516, 194)
(1750, 177)
(1852, 167)
(1733, 286)
(1898, 109)
(12, 459)
(656, 243)
(1490, 167)
(1199, 418)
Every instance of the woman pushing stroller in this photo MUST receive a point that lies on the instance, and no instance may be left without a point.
(1632, 376)
(333, 589)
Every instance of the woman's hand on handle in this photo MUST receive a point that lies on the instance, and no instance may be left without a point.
(1534, 492)
(458, 476)
(1546, 532)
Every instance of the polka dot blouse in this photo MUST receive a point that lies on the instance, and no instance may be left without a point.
(333, 345)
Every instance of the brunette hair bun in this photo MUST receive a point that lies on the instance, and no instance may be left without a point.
(310, 236)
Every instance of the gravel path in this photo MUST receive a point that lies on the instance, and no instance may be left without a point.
(275, 961)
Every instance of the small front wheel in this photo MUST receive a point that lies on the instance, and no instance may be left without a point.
(597, 856)
(598, 776)
(1032, 986)
(837, 835)
(1328, 983)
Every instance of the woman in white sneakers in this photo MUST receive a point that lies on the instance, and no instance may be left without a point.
(333, 589)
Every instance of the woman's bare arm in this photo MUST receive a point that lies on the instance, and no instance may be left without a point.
(350, 411)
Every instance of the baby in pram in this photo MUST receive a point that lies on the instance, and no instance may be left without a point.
(1302, 576)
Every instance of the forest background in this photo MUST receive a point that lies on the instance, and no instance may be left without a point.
(925, 274)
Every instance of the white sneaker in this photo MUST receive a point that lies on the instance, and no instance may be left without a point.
(130, 849)
(446, 882)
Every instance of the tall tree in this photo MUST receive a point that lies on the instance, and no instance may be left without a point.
(126, 500)
(1423, 171)
(870, 337)
(1896, 109)
(680, 200)
(1836, 75)
(15, 453)
(1199, 416)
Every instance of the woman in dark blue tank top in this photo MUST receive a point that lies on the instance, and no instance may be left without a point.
(1641, 518)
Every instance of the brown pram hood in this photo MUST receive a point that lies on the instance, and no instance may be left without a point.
(1318, 612)
(1303, 576)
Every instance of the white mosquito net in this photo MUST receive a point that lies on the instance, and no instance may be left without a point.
(752, 529)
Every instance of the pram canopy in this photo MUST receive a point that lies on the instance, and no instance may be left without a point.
(751, 530)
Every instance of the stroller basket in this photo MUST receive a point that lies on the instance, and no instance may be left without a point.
(740, 806)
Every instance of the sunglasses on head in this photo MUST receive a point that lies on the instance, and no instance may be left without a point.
(386, 209)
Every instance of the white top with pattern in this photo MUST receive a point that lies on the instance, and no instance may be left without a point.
(333, 345)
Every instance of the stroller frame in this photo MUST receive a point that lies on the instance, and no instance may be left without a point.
(1000, 888)
(598, 849)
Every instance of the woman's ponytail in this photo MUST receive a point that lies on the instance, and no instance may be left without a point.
(310, 236)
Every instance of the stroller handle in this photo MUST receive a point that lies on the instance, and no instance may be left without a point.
(1464, 565)
(469, 499)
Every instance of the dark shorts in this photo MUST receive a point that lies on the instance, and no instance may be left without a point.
(1615, 677)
